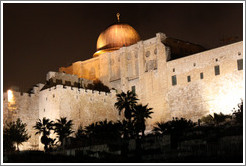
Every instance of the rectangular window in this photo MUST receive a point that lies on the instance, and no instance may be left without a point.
(133, 89)
(174, 80)
(188, 78)
(217, 70)
(201, 76)
(240, 64)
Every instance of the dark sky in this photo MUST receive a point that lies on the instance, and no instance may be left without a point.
(38, 38)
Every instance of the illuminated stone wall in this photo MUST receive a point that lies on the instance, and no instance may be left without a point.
(81, 106)
(145, 65)
(192, 99)
(213, 93)
(88, 69)
(73, 80)
(26, 107)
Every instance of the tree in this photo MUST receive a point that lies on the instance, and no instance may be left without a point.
(238, 113)
(162, 127)
(126, 131)
(127, 102)
(217, 119)
(8, 145)
(104, 130)
(15, 134)
(209, 119)
(220, 118)
(98, 86)
(124, 128)
(44, 127)
(175, 128)
(80, 134)
(140, 114)
(63, 128)
(176, 125)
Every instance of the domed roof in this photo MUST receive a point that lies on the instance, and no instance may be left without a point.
(115, 37)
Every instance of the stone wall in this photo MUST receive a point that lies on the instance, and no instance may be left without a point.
(26, 107)
(82, 106)
(213, 93)
(146, 66)
(88, 69)
(67, 78)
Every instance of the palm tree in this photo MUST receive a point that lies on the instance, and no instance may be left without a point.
(140, 114)
(80, 134)
(63, 128)
(91, 130)
(162, 127)
(126, 131)
(217, 119)
(127, 102)
(123, 128)
(44, 127)
(176, 125)
(175, 128)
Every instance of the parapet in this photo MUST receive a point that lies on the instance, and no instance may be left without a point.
(77, 90)
(61, 75)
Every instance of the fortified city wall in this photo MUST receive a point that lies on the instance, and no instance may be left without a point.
(26, 107)
(81, 106)
(77, 104)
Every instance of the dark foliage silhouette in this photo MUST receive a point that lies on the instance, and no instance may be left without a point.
(140, 114)
(63, 128)
(44, 127)
(176, 125)
(175, 128)
(104, 130)
(238, 113)
(14, 134)
(126, 102)
(98, 86)
(217, 119)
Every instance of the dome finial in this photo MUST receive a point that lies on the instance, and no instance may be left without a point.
(118, 17)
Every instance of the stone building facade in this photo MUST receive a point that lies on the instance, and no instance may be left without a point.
(191, 86)
(148, 68)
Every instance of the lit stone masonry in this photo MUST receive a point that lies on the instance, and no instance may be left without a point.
(190, 87)
(26, 107)
(212, 93)
(81, 106)
(147, 66)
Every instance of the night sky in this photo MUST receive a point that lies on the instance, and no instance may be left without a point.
(38, 38)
